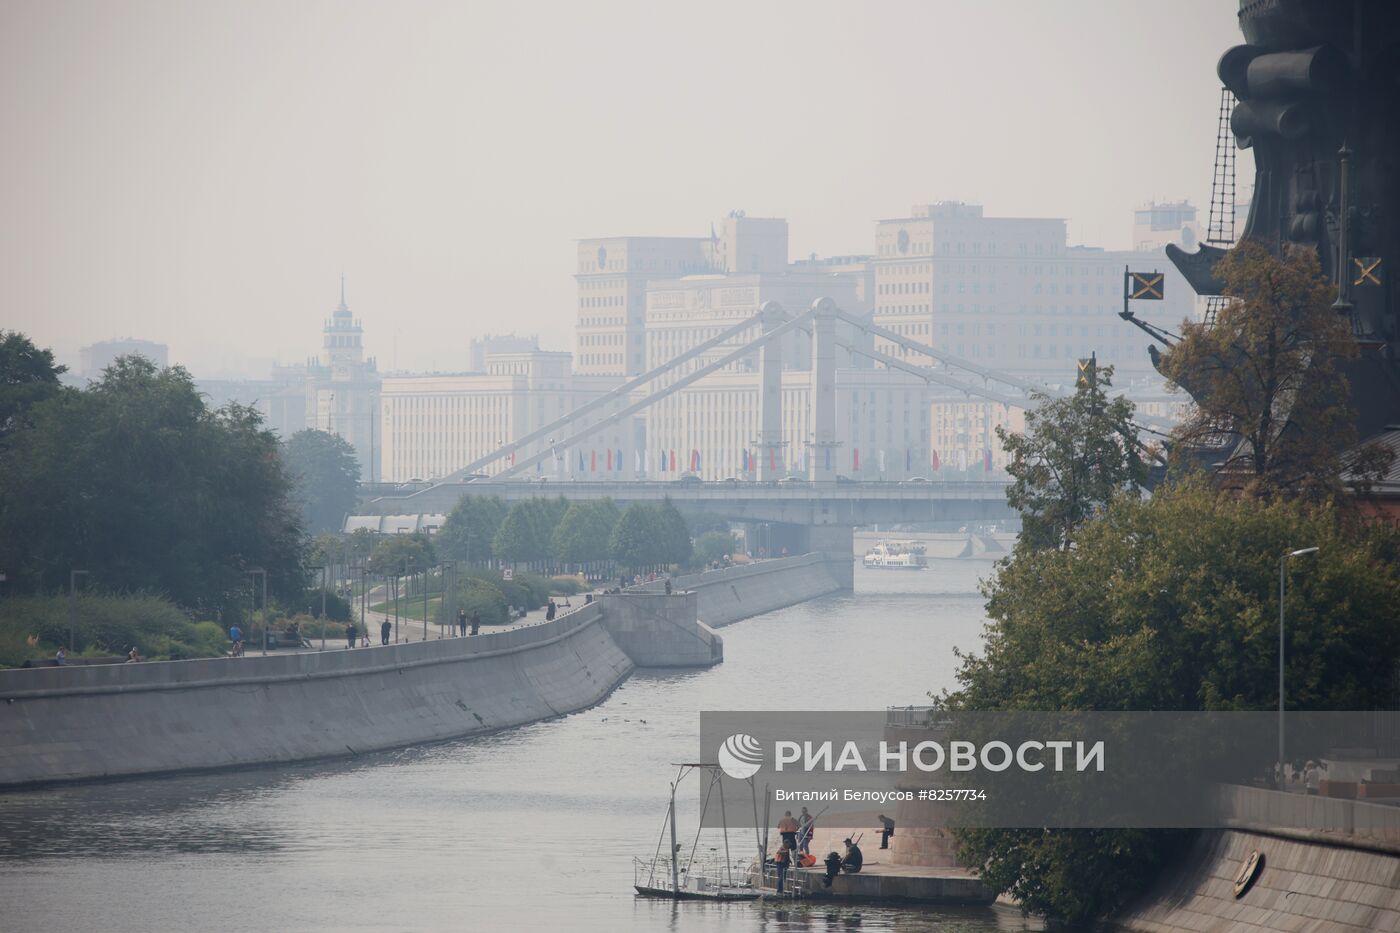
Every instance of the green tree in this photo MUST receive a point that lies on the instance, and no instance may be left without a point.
(1075, 455)
(636, 539)
(585, 531)
(527, 532)
(470, 529)
(713, 545)
(27, 376)
(675, 545)
(1171, 603)
(327, 478)
(1265, 376)
(136, 481)
(398, 554)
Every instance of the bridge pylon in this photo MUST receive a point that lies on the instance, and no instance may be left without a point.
(772, 463)
(822, 459)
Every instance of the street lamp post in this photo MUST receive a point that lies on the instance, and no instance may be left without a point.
(73, 576)
(322, 617)
(255, 573)
(1282, 592)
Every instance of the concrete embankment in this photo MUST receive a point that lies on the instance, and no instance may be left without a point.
(84, 722)
(102, 721)
(734, 593)
(1329, 865)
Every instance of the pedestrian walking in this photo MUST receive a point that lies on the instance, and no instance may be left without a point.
(462, 621)
(61, 655)
(384, 629)
(476, 622)
(549, 613)
(235, 635)
(350, 634)
(668, 586)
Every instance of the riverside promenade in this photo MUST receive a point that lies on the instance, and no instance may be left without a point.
(101, 721)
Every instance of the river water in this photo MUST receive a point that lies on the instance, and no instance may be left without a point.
(532, 829)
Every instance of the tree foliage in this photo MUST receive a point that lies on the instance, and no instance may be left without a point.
(1075, 455)
(136, 481)
(714, 545)
(585, 531)
(674, 545)
(1171, 604)
(527, 533)
(400, 554)
(1265, 376)
(470, 529)
(635, 537)
(327, 478)
(104, 624)
(650, 536)
(27, 376)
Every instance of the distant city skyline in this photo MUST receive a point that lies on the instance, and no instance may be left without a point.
(203, 180)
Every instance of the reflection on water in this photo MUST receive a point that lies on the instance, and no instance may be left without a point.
(531, 829)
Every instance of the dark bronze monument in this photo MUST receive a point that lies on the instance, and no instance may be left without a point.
(1318, 90)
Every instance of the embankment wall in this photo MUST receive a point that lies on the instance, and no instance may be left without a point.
(1329, 865)
(85, 722)
(656, 630)
(734, 593)
(76, 722)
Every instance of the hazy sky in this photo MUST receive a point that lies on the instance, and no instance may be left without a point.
(200, 173)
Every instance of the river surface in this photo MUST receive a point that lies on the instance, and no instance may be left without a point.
(531, 829)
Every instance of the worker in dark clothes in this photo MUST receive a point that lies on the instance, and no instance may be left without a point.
(384, 629)
(854, 859)
(833, 868)
(476, 622)
(350, 635)
(462, 621)
(886, 830)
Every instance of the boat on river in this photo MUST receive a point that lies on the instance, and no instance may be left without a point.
(896, 555)
(711, 876)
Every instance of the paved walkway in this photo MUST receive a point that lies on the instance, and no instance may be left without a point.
(410, 629)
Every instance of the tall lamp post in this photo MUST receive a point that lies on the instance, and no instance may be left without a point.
(73, 576)
(1282, 592)
(322, 617)
(255, 573)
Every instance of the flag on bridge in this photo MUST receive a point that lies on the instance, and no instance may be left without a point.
(593, 461)
(987, 459)
(933, 460)
(618, 461)
(855, 459)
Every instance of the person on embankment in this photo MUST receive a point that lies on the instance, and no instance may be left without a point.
(854, 860)
(886, 830)
(350, 634)
(787, 826)
(384, 629)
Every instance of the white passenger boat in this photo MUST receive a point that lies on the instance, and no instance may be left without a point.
(896, 555)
